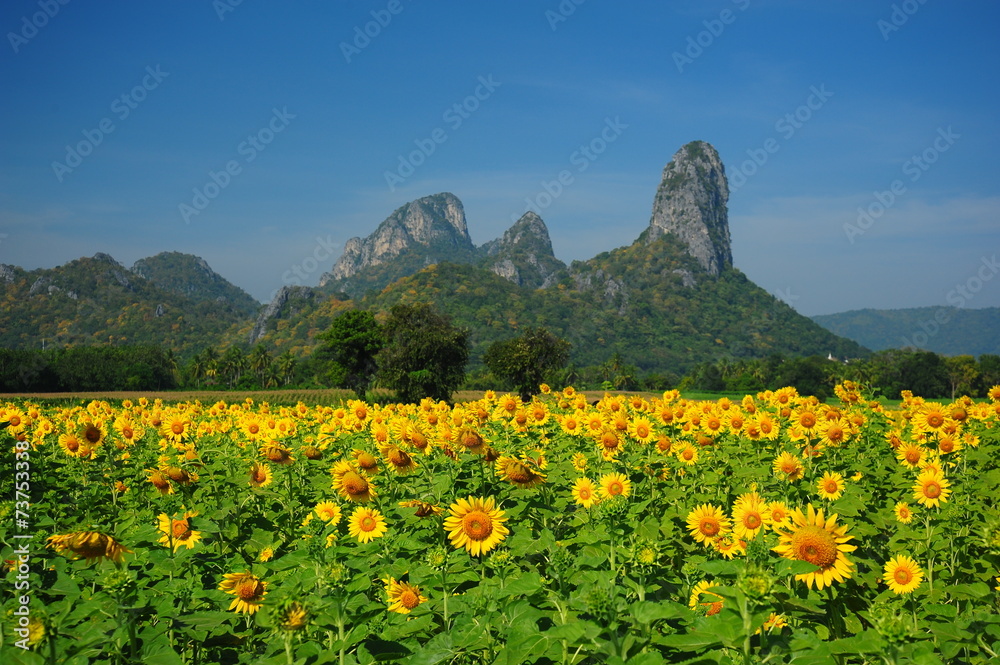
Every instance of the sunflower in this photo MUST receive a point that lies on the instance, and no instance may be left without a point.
(902, 574)
(519, 472)
(177, 532)
(160, 481)
(294, 616)
(476, 524)
(329, 512)
(688, 454)
(749, 517)
(70, 443)
(904, 513)
(730, 545)
(641, 430)
(819, 541)
(175, 427)
(931, 488)
(706, 523)
(931, 417)
(351, 484)
(89, 545)
(403, 596)
(423, 509)
(366, 461)
(788, 467)
(584, 492)
(580, 462)
(779, 515)
(366, 524)
(701, 595)
(92, 434)
(260, 475)
(571, 424)
(614, 484)
(830, 486)
(398, 459)
(910, 454)
(248, 589)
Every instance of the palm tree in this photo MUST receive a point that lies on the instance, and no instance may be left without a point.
(286, 366)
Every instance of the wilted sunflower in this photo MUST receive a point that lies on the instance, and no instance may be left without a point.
(519, 472)
(902, 574)
(706, 523)
(366, 524)
(476, 524)
(931, 488)
(89, 544)
(351, 484)
(260, 475)
(403, 596)
(819, 541)
(177, 532)
(584, 492)
(423, 509)
(400, 461)
(277, 453)
(830, 486)
(248, 589)
(159, 480)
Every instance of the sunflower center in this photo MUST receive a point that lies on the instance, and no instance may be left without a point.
(710, 527)
(127, 432)
(831, 487)
(73, 445)
(946, 445)
(177, 428)
(409, 599)
(181, 529)
(816, 545)
(399, 457)
(92, 434)
(250, 589)
(355, 484)
(367, 523)
(584, 493)
(615, 488)
(931, 489)
(477, 525)
(902, 576)
(752, 521)
(912, 456)
(254, 428)
(935, 420)
(258, 475)
(807, 420)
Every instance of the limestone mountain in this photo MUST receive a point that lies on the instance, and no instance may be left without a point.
(98, 301)
(950, 331)
(416, 235)
(523, 254)
(690, 204)
(191, 276)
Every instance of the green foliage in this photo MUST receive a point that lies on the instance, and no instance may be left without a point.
(350, 345)
(87, 368)
(424, 355)
(525, 360)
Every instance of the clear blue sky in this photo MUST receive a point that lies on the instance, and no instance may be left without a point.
(200, 79)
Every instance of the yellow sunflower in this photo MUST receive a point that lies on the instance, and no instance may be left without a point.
(366, 524)
(779, 515)
(702, 596)
(931, 488)
(910, 454)
(641, 430)
(584, 492)
(830, 486)
(614, 484)
(248, 589)
(688, 454)
(476, 524)
(329, 512)
(819, 541)
(902, 574)
(904, 513)
(519, 472)
(706, 523)
(351, 484)
(400, 461)
(788, 467)
(423, 509)
(403, 596)
(177, 532)
(260, 475)
(749, 517)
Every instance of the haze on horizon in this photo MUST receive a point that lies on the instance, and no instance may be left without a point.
(859, 138)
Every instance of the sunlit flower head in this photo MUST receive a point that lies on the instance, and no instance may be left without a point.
(902, 574)
(476, 524)
(403, 597)
(819, 541)
(248, 589)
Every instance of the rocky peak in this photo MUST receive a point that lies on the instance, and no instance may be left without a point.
(690, 205)
(523, 254)
(434, 226)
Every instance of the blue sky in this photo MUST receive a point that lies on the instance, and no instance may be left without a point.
(290, 117)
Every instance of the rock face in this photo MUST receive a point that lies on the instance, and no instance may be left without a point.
(286, 303)
(690, 204)
(433, 227)
(523, 254)
(191, 276)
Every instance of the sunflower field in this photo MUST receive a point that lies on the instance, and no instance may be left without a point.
(775, 529)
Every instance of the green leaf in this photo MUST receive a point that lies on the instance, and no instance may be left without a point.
(382, 650)
(524, 585)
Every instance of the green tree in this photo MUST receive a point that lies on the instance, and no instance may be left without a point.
(524, 361)
(350, 346)
(962, 373)
(425, 354)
